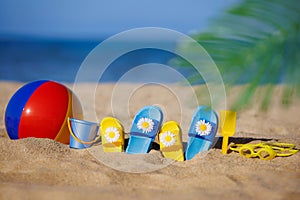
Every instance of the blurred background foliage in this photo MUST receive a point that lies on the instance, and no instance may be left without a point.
(255, 43)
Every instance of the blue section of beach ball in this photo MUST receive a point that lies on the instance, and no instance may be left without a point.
(16, 105)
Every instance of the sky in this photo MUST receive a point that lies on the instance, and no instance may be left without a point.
(79, 19)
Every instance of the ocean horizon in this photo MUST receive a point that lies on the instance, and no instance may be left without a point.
(30, 59)
(59, 60)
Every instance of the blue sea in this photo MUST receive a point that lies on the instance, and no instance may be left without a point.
(60, 60)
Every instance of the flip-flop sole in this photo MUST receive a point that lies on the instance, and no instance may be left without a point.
(112, 135)
(170, 141)
(202, 131)
(145, 126)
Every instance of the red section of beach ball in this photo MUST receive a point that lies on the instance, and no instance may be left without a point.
(44, 112)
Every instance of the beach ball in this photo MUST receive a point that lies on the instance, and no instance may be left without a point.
(40, 109)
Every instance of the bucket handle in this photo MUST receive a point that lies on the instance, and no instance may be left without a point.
(79, 140)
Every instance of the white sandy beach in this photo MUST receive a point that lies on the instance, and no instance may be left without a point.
(34, 168)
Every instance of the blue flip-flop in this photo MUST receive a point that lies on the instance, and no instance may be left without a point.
(145, 126)
(202, 131)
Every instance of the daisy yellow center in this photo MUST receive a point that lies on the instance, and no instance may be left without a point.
(203, 127)
(168, 138)
(111, 134)
(145, 124)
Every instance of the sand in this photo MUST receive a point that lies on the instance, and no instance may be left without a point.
(34, 168)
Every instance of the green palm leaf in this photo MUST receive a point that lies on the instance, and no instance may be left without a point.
(256, 42)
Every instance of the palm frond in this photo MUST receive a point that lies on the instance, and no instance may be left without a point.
(256, 42)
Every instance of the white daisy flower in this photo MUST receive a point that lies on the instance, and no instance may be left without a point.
(203, 128)
(112, 134)
(167, 138)
(145, 124)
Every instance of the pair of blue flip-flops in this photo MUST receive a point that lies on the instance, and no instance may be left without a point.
(147, 124)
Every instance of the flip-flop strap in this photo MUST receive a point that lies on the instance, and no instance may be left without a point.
(172, 148)
(152, 134)
(141, 135)
(209, 137)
